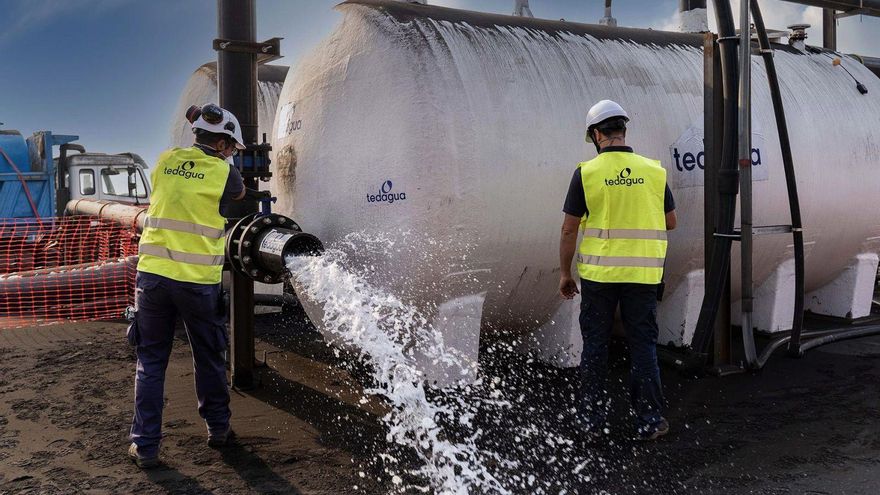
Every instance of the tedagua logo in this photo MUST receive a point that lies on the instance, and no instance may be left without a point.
(185, 170)
(624, 179)
(385, 195)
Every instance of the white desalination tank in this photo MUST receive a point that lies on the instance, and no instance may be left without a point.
(451, 137)
(201, 89)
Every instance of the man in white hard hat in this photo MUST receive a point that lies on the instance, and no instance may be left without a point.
(622, 203)
(180, 265)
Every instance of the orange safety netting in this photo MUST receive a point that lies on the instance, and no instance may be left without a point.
(65, 269)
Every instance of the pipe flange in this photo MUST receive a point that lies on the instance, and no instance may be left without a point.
(246, 247)
(233, 239)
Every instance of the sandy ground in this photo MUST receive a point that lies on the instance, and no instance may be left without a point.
(65, 406)
(807, 426)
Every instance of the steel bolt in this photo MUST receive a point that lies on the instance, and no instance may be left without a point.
(267, 220)
(255, 272)
(255, 229)
(246, 244)
(268, 279)
(282, 219)
(246, 260)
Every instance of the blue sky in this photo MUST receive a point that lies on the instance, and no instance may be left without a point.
(112, 71)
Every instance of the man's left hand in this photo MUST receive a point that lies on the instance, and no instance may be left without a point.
(567, 287)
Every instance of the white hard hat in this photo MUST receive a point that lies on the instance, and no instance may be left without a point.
(605, 110)
(218, 121)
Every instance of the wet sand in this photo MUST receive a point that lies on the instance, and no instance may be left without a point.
(800, 426)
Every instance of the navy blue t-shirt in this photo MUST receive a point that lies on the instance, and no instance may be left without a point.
(576, 201)
(234, 182)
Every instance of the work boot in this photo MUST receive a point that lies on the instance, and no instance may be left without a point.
(221, 440)
(140, 461)
(654, 432)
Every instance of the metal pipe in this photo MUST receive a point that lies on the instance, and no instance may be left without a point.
(718, 269)
(237, 71)
(790, 180)
(62, 189)
(608, 20)
(274, 246)
(275, 300)
(686, 5)
(125, 215)
(405, 12)
(744, 134)
(865, 7)
(237, 78)
(259, 246)
(872, 63)
(829, 29)
(713, 117)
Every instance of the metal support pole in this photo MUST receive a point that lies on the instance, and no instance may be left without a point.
(686, 5)
(745, 167)
(237, 77)
(713, 140)
(829, 29)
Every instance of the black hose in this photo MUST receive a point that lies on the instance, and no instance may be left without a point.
(837, 337)
(790, 181)
(776, 344)
(718, 268)
(818, 338)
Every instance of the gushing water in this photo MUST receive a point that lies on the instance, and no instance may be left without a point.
(386, 332)
(442, 428)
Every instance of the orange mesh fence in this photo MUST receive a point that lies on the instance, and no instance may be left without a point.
(65, 269)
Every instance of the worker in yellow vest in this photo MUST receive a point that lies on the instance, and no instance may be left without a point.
(180, 265)
(624, 207)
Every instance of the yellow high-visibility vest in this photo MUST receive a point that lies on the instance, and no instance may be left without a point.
(184, 235)
(624, 235)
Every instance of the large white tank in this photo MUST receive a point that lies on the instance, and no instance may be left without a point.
(476, 121)
(201, 88)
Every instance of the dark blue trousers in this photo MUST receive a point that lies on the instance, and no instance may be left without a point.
(159, 301)
(638, 309)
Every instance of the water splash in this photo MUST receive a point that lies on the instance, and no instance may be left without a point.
(386, 333)
(444, 429)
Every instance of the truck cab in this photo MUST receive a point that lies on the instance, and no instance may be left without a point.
(35, 184)
(119, 178)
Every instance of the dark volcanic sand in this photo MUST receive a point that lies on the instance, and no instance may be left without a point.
(807, 426)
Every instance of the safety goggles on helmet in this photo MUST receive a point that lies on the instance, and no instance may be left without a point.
(212, 118)
(211, 114)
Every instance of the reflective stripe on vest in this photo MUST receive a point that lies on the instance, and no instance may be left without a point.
(170, 254)
(625, 230)
(184, 234)
(179, 226)
(626, 234)
(628, 261)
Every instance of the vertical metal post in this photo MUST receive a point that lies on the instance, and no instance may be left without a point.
(745, 167)
(687, 5)
(237, 78)
(829, 29)
(713, 141)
